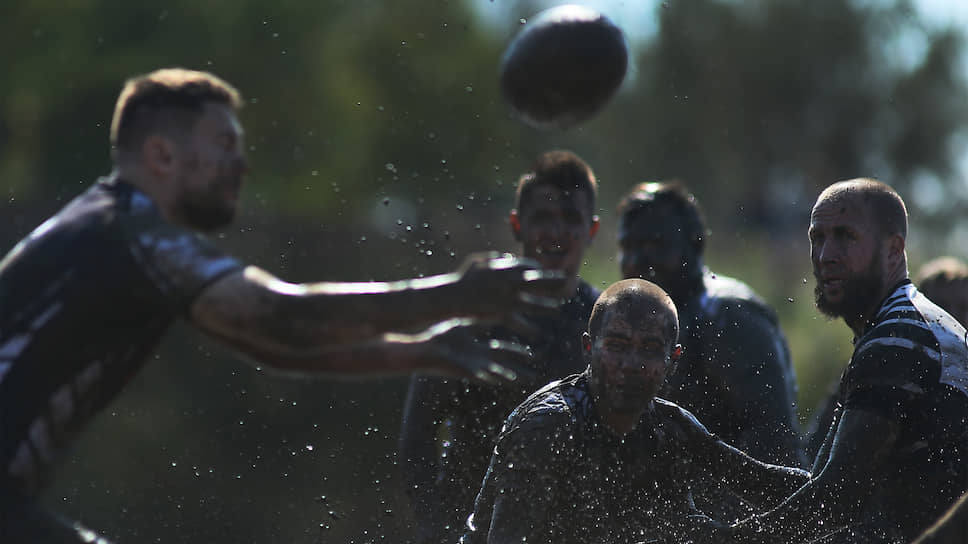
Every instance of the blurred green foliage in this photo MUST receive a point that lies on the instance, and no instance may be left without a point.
(380, 149)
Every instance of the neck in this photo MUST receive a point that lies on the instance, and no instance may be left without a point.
(691, 285)
(621, 423)
(154, 188)
(859, 325)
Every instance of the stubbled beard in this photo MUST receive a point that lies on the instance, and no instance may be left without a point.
(859, 293)
(206, 211)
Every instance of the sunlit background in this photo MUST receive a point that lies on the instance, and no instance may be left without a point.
(380, 149)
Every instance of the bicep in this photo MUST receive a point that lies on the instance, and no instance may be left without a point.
(239, 310)
(859, 447)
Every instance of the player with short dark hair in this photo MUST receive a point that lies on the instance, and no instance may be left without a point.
(598, 458)
(895, 456)
(449, 426)
(87, 295)
(735, 374)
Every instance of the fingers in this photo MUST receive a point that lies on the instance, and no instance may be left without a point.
(538, 304)
(521, 326)
(503, 362)
(545, 278)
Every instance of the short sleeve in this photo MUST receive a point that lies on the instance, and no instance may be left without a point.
(179, 263)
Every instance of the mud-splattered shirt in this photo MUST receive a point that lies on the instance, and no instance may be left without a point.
(558, 474)
(911, 366)
(83, 300)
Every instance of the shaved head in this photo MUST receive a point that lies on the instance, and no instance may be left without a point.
(884, 206)
(635, 295)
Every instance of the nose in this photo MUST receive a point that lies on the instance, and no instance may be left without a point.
(825, 252)
(633, 262)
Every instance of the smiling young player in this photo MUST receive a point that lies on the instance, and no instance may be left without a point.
(554, 220)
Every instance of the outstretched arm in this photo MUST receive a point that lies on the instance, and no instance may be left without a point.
(267, 318)
(714, 461)
(829, 500)
(448, 348)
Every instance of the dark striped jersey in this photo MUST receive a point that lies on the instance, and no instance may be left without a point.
(911, 366)
(83, 300)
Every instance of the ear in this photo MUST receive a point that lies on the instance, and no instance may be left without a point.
(676, 353)
(594, 229)
(158, 155)
(895, 249)
(515, 225)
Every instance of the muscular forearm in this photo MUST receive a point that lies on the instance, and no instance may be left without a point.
(331, 313)
(841, 490)
(762, 484)
(387, 355)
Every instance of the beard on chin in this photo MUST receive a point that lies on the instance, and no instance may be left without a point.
(858, 294)
(206, 215)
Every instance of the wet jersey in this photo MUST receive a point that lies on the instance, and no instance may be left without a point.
(911, 366)
(558, 474)
(443, 480)
(83, 300)
(735, 373)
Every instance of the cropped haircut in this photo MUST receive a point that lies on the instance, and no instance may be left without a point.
(635, 293)
(562, 170)
(671, 195)
(169, 100)
(884, 204)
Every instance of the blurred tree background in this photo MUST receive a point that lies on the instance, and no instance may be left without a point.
(380, 149)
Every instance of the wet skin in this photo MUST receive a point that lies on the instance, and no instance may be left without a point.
(847, 257)
(630, 357)
(212, 166)
(555, 228)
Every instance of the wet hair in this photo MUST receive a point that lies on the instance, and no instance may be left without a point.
(671, 195)
(936, 274)
(635, 293)
(168, 100)
(886, 207)
(562, 170)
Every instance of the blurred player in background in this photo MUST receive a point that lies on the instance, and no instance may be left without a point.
(735, 373)
(449, 426)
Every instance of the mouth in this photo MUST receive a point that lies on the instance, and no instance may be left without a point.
(552, 252)
(832, 283)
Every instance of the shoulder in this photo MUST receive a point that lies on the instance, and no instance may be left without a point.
(902, 349)
(729, 297)
(548, 411)
(675, 417)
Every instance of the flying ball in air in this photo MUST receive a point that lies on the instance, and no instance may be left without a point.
(563, 66)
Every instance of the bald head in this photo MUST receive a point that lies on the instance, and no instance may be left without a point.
(883, 206)
(635, 297)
